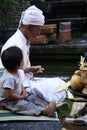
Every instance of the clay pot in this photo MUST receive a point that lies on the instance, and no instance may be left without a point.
(40, 39)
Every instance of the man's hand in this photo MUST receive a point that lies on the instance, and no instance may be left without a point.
(34, 69)
(38, 69)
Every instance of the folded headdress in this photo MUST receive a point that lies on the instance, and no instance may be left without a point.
(32, 16)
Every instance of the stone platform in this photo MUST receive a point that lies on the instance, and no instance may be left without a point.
(58, 58)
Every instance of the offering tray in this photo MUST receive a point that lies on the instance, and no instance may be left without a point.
(77, 96)
(77, 93)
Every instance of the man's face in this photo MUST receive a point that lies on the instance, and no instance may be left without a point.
(33, 31)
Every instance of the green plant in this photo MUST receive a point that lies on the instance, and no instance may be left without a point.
(7, 8)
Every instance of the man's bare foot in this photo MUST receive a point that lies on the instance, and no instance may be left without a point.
(50, 109)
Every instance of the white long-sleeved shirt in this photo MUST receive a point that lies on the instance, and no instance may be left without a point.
(19, 40)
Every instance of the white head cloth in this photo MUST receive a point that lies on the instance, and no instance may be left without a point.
(33, 16)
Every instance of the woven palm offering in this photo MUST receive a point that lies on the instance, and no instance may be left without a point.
(40, 39)
(48, 29)
(47, 35)
(83, 69)
(79, 79)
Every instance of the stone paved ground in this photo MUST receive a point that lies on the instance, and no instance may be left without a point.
(27, 125)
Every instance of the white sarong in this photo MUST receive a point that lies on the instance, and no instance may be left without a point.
(47, 88)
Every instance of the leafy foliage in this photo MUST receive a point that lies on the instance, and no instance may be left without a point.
(7, 8)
